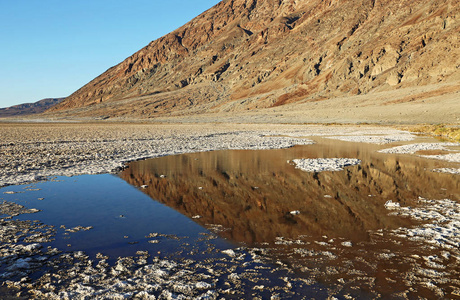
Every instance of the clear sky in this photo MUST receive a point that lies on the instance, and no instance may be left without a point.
(51, 48)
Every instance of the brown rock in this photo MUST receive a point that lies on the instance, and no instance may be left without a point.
(247, 54)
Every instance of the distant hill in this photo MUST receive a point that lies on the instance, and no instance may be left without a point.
(253, 54)
(29, 108)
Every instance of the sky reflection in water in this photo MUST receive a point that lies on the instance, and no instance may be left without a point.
(121, 215)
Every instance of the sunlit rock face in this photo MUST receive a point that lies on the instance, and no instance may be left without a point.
(250, 54)
(257, 196)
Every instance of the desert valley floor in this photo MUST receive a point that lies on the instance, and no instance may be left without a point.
(163, 211)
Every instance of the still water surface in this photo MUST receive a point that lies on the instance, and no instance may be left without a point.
(251, 193)
(120, 215)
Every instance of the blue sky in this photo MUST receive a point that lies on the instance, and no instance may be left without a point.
(52, 48)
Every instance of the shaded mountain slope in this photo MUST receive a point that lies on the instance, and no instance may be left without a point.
(29, 108)
(248, 54)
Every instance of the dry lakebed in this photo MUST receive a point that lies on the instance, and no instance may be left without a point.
(227, 211)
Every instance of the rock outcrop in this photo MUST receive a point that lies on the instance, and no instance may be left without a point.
(249, 54)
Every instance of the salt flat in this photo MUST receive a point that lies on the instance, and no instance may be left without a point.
(31, 151)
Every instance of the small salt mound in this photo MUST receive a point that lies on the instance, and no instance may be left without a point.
(229, 252)
(392, 205)
(324, 164)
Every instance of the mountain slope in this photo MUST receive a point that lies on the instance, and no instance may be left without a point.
(29, 108)
(248, 54)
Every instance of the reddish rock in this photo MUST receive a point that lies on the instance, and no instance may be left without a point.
(245, 54)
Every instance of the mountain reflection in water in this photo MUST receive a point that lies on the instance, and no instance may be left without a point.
(251, 193)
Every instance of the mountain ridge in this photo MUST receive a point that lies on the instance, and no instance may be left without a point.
(248, 54)
(29, 108)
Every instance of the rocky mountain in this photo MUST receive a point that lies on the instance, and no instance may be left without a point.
(29, 108)
(250, 54)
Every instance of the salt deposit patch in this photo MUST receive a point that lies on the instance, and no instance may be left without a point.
(413, 148)
(374, 139)
(452, 157)
(392, 205)
(324, 164)
(373, 135)
(447, 170)
(442, 229)
(440, 238)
